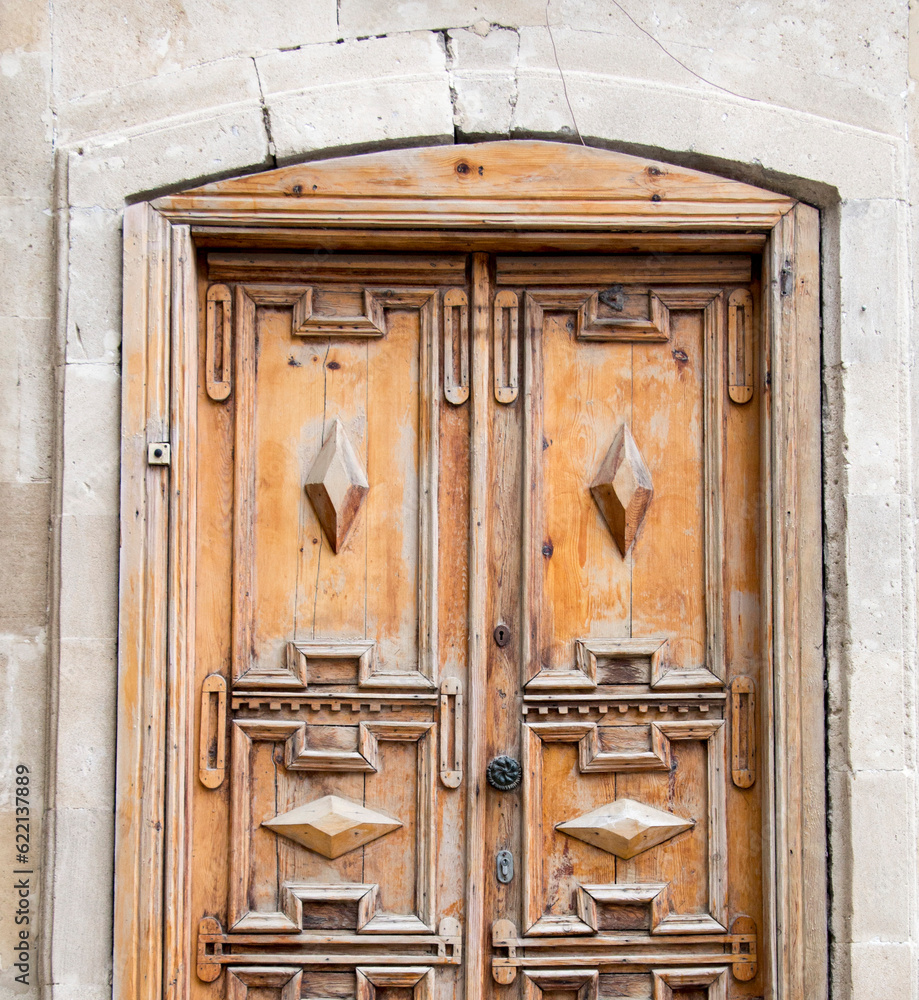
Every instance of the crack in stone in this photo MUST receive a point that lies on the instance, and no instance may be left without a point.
(515, 93)
(266, 115)
(449, 62)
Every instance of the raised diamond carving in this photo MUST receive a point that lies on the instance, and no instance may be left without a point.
(625, 827)
(332, 826)
(623, 489)
(336, 485)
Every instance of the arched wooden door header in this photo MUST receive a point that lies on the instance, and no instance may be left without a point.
(524, 185)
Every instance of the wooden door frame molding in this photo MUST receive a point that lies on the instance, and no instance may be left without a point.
(498, 196)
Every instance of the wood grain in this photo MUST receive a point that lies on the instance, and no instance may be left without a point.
(443, 186)
(300, 236)
(475, 514)
(141, 800)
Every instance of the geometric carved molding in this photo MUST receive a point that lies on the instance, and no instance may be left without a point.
(332, 826)
(668, 983)
(261, 978)
(336, 485)
(294, 895)
(302, 753)
(620, 661)
(339, 665)
(710, 732)
(642, 747)
(306, 323)
(367, 919)
(591, 898)
(592, 326)
(593, 901)
(623, 489)
(305, 749)
(625, 827)
(417, 978)
(583, 983)
(604, 661)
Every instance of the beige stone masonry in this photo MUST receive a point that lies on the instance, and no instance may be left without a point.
(102, 102)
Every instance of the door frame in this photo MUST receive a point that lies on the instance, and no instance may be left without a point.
(515, 196)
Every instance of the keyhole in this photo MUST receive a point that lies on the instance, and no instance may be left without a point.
(504, 865)
(502, 635)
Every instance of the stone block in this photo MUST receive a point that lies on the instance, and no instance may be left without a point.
(94, 289)
(26, 259)
(89, 585)
(96, 51)
(27, 390)
(86, 724)
(24, 551)
(24, 670)
(873, 279)
(773, 56)
(871, 427)
(882, 971)
(69, 991)
(81, 947)
(696, 120)
(409, 112)
(25, 27)
(174, 154)
(877, 711)
(25, 123)
(24, 681)
(874, 571)
(584, 50)
(364, 17)
(219, 85)
(883, 855)
(913, 337)
(92, 440)
(484, 84)
(358, 93)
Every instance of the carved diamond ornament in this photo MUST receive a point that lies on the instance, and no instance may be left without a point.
(336, 485)
(332, 826)
(625, 827)
(623, 489)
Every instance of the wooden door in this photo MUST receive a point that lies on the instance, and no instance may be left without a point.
(480, 633)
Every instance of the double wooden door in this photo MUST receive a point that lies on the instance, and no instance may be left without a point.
(480, 634)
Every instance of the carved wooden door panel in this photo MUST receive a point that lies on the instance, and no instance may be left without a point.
(479, 629)
(632, 592)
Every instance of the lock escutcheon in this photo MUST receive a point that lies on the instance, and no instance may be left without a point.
(504, 866)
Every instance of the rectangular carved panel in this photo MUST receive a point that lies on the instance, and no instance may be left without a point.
(627, 825)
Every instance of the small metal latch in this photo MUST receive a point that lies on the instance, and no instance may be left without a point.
(614, 297)
(158, 453)
(786, 279)
(504, 866)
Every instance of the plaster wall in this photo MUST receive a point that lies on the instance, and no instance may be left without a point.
(106, 101)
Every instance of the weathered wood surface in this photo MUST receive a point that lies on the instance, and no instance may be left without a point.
(524, 184)
(335, 591)
(370, 676)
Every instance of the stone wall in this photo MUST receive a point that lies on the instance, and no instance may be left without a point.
(105, 101)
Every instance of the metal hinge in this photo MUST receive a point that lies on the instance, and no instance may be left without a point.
(787, 279)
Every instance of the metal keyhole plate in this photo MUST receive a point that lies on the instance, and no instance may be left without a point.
(504, 866)
(502, 635)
